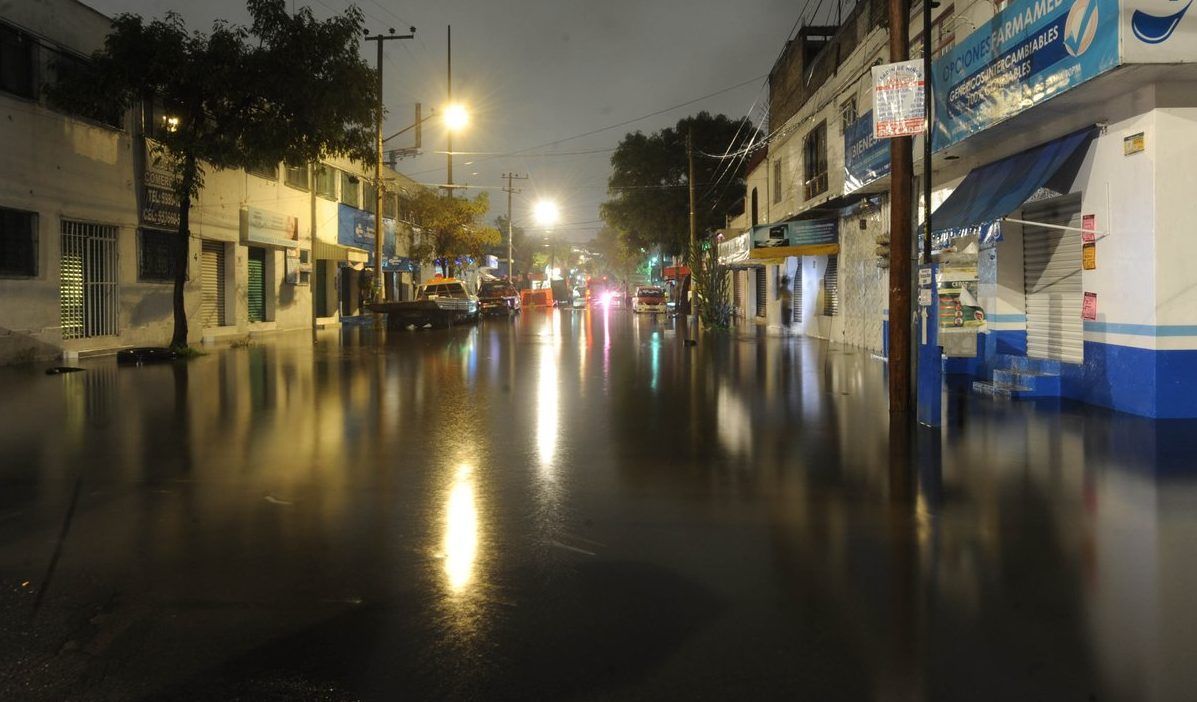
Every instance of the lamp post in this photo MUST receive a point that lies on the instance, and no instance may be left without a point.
(545, 213)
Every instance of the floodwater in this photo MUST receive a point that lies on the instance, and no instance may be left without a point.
(576, 505)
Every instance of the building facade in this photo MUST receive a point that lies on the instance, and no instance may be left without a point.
(88, 221)
(1061, 142)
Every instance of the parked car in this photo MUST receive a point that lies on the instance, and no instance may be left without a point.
(442, 302)
(578, 300)
(498, 297)
(649, 298)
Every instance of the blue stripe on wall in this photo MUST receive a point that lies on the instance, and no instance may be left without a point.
(1007, 318)
(1142, 329)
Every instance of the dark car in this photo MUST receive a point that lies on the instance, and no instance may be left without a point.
(498, 297)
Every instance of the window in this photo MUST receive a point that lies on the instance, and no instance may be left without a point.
(943, 29)
(326, 181)
(351, 189)
(390, 205)
(831, 287)
(369, 195)
(268, 171)
(755, 209)
(296, 177)
(814, 161)
(157, 118)
(16, 61)
(18, 243)
(847, 114)
(777, 181)
(156, 255)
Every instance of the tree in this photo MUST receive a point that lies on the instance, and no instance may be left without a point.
(521, 251)
(648, 187)
(450, 229)
(620, 261)
(712, 282)
(287, 88)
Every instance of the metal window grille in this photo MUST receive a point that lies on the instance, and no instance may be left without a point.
(88, 293)
(831, 287)
(761, 292)
(814, 163)
(156, 255)
(777, 181)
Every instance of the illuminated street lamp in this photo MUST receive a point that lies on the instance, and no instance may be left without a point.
(456, 117)
(545, 213)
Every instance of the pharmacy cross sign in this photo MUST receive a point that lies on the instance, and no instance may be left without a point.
(898, 107)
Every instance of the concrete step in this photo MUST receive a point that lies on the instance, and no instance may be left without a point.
(984, 387)
(1027, 383)
(1025, 364)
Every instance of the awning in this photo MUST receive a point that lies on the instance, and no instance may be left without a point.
(989, 193)
(771, 253)
(324, 251)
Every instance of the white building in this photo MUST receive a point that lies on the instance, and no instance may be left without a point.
(87, 221)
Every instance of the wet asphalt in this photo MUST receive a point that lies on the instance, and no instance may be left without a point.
(576, 505)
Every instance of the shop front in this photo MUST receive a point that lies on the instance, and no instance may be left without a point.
(799, 257)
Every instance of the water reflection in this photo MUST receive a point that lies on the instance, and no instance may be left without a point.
(461, 530)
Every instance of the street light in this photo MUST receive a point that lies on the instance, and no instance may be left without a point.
(456, 117)
(545, 213)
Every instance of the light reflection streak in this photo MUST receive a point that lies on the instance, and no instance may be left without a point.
(461, 531)
(546, 409)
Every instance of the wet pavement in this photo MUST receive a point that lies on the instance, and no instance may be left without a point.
(575, 505)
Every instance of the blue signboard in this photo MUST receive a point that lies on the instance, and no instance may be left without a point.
(866, 158)
(356, 228)
(1029, 52)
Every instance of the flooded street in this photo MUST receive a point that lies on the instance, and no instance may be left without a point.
(575, 505)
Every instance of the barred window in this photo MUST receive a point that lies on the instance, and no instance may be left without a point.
(156, 255)
(831, 287)
(18, 243)
(814, 161)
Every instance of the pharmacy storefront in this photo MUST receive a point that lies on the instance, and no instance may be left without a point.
(1063, 223)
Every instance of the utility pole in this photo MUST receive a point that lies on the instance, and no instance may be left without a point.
(449, 132)
(693, 223)
(901, 250)
(510, 190)
(928, 5)
(378, 185)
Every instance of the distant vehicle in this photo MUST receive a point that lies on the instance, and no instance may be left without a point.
(498, 297)
(578, 300)
(561, 293)
(442, 302)
(649, 298)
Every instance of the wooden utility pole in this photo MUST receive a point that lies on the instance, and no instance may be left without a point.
(687, 305)
(900, 251)
(510, 190)
(378, 184)
(449, 132)
(928, 5)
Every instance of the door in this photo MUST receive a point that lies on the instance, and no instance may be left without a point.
(831, 287)
(1052, 284)
(738, 292)
(255, 292)
(88, 291)
(212, 284)
(321, 288)
(762, 292)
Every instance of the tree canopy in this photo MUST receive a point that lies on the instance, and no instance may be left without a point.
(451, 229)
(648, 187)
(288, 87)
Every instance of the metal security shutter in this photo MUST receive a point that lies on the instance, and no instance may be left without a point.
(256, 288)
(212, 284)
(796, 302)
(88, 291)
(831, 287)
(762, 293)
(738, 291)
(1052, 276)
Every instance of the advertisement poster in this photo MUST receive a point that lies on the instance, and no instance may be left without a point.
(1089, 307)
(259, 226)
(959, 305)
(1028, 53)
(1088, 228)
(866, 158)
(159, 203)
(898, 103)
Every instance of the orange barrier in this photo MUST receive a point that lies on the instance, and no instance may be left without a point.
(536, 298)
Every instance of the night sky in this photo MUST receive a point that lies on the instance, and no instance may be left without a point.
(535, 72)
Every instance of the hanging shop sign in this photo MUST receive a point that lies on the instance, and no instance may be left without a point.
(1028, 53)
(736, 249)
(806, 237)
(265, 228)
(159, 206)
(898, 103)
(866, 158)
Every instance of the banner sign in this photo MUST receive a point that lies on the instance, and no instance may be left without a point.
(735, 249)
(804, 232)
(267, 228)
(898, 99)
(356, 228)
(159, 203)
(866, 158)
(1028, 53)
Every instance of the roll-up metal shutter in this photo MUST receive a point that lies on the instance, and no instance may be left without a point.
(738, 286)
(255, 292)
(1052, 276)
(831, 287)
(212, 284)
(762, 292)
(796, 302)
